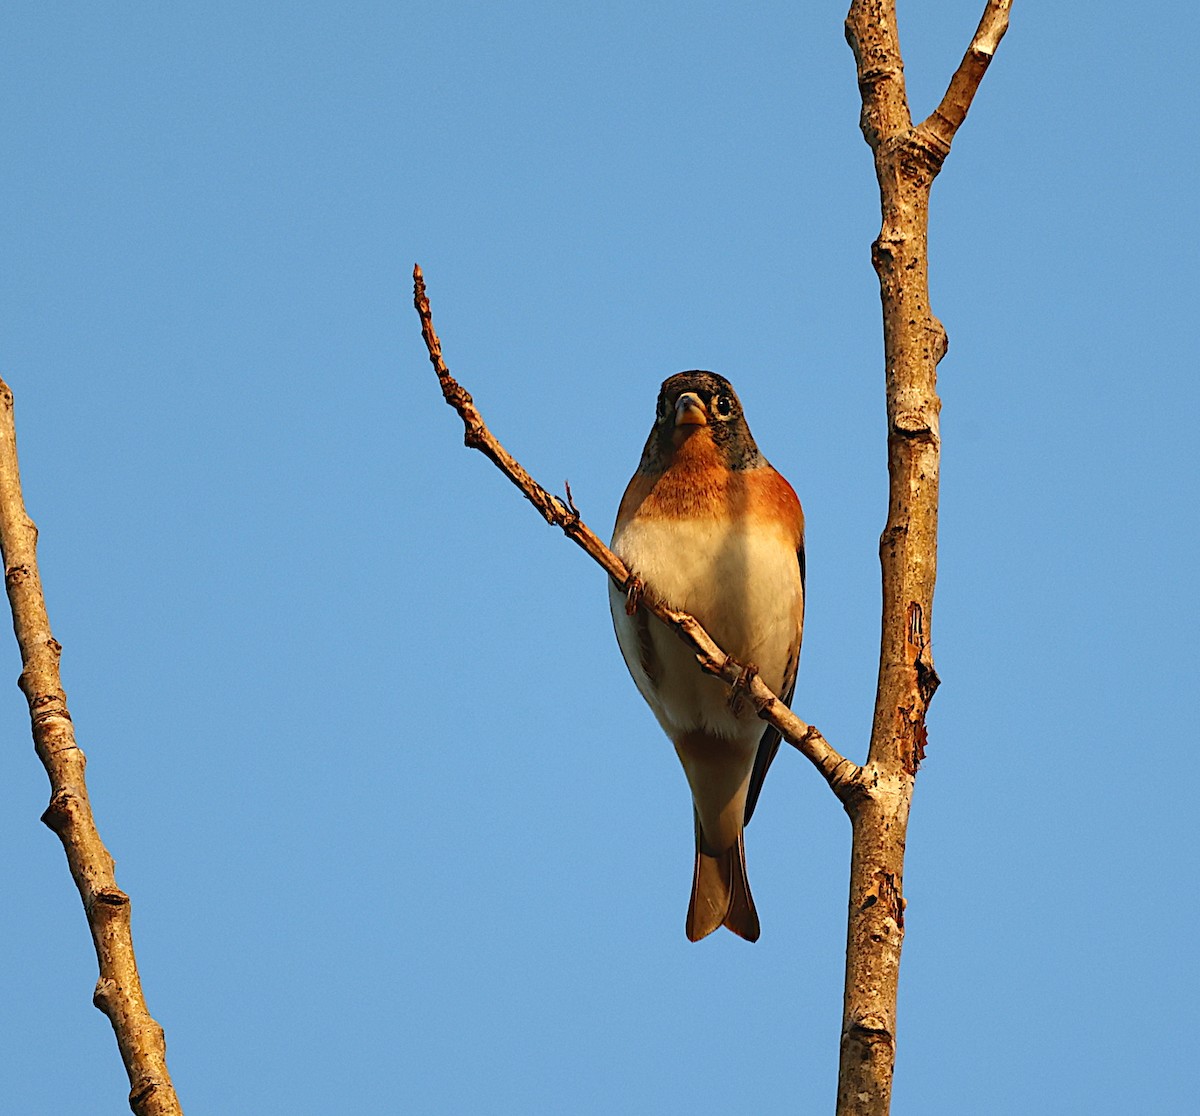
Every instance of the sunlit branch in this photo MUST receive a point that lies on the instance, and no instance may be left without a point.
(839, 772)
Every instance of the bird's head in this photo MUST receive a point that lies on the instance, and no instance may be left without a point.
(699, 410)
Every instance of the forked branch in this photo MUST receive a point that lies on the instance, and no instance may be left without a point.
(907, 160)
(840, 773)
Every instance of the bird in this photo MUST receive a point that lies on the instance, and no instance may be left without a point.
(708, 526)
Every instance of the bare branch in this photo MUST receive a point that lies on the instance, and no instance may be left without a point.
(907, 159)
(840, 773)
(875, 40)
(119, 990)
(942, 124)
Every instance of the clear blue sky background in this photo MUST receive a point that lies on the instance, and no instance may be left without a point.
(400, 834)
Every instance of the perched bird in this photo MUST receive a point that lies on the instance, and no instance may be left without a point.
(707, 525)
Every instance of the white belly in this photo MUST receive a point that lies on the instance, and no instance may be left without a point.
(742, 585)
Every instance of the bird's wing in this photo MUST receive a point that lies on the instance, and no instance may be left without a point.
(768, 746)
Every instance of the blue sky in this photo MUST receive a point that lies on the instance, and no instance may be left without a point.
(400, 834)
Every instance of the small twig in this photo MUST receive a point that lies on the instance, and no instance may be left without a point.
(571, 501)
(119, 990)
(839, 772)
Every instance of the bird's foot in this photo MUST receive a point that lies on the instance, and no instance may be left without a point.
(634, 591)
(741, 687)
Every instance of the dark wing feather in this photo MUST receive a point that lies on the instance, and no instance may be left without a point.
(646, 656)
(768, 746)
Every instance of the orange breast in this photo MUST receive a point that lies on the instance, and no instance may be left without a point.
(697, 485)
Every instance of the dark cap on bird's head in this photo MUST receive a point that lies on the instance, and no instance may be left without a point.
(703, 404)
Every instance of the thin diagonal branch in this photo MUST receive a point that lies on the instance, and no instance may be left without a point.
(840, 773)
(945, 120)
(119, 990)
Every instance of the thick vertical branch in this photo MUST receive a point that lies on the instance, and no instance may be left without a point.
(118, 991)
(906, 161)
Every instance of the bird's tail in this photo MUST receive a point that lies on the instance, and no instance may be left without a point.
(720, 893)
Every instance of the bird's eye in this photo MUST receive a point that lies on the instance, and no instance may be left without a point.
(723, 406)
(664, 407)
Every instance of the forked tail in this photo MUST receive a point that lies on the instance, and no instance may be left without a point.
(720, 893)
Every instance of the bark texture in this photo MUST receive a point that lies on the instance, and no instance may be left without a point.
(907, 159)
(118, 991)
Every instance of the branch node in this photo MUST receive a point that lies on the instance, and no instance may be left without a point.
(57, 815)
(850, 788)
(913, 424)
(14, 575)
(104, 994)
(142, 1092)
(868, 1033)
(46, 708)
(110, 897)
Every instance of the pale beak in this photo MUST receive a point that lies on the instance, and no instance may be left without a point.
(689, 411)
